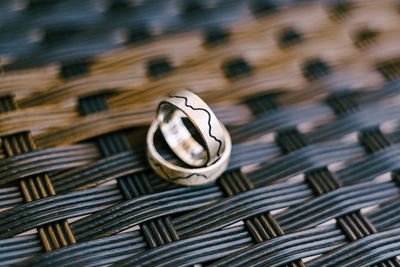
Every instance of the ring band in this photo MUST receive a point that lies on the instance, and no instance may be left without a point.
(182, 175)
(171, 113)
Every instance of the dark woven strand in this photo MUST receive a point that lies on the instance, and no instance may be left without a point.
(13, 249)
(10, 196)
(40, 161)
(55, 235)
(282, 248)
(51, 209)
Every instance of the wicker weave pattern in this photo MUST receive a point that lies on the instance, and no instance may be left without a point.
(310, 95)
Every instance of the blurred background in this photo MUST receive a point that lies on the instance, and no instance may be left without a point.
(208, 46)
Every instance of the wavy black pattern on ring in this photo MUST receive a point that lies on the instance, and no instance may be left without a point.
(283, 249)
(363, 252)
(39, 212)
(143, 208)
(336, 203)
(209, 121)
(198, 249)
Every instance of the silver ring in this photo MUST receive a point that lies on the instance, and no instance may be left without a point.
(171, 113)
(182, 175)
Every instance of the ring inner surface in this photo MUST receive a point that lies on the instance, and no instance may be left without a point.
(174, 126)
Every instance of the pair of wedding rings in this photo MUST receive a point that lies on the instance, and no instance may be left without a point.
(196, 137)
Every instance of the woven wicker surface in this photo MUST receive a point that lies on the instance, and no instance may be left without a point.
(308, 91)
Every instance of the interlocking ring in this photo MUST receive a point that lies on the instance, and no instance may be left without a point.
(171, 113)
(207, 154)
